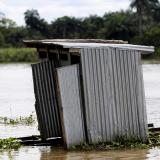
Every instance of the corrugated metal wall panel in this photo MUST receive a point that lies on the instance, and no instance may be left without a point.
(141, 99)
(114, 94)
(46, 103)
(69, 87)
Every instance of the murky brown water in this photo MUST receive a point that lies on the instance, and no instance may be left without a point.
(46, 153)
(17, 99)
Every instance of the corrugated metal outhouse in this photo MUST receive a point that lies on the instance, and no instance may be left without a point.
(89, 90)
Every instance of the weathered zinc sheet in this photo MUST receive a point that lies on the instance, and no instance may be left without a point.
(113, 93)
(69, 87)
(46, 103)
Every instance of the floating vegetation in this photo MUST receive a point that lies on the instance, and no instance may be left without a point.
(123, 143)
(119, 143)
(154, 139)
(9, 143)
(29, 120)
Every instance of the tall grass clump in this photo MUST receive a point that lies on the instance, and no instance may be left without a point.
(18, 55)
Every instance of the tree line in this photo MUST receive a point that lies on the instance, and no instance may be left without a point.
(140, 24)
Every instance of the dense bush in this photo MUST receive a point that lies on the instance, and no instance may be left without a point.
(18, 55)
(151, 36)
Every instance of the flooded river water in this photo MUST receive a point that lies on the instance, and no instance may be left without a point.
(46, 153)
(17, 99)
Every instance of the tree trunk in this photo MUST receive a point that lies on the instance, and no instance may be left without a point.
(140, 19)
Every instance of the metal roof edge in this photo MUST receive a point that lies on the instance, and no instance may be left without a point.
(146, 49)
(35, 44)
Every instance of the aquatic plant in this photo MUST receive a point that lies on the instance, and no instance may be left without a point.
(120, 142)
(9, 143)
(28, 120)
(154, 139)
(123, 142)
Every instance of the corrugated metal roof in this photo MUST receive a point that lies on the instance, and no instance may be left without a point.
(91, 44)
(78, 41)
(100, 45)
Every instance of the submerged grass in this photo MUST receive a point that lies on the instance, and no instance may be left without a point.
(121, 143)
(29, 120)
(9, 143)
(18, 55)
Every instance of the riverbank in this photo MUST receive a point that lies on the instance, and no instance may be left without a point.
(8, 55)
(151, 61)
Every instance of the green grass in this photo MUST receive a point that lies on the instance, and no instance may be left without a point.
(28, 120)
(119, 143)
(122, 142)
(18, 55)
(9, 143)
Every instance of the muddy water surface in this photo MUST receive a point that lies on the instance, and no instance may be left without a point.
(46, 153)
(17, 99)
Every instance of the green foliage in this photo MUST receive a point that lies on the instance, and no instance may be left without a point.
(9, 143)
(35, 22)
(123, 25)
(122, 142)
(150, 37)
(7, 23)
(18, 55)
(146, 10)
(66, 27)
(118, 25)
(2, 41)
(154, 139)
(18, 121)
(91, 26)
